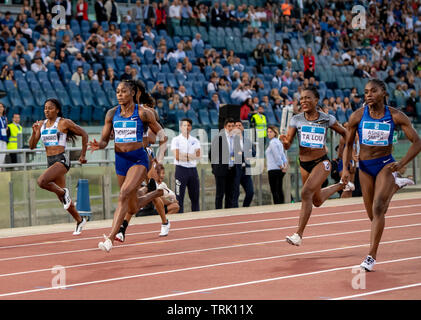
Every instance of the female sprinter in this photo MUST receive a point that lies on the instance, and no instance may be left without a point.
(54, 132)
(375, 124)
(148, 193)
(311, 126)
(131, 159)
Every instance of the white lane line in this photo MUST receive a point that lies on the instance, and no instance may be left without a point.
(200, 237)
(269, 280)
(378, 291)
(196, 251)
(218, 265)
(186, 228)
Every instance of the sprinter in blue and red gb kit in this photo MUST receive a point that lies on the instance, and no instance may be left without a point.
(311, 127)
(375, 123)
(55, 131)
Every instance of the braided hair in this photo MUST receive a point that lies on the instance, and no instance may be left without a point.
(314, 90)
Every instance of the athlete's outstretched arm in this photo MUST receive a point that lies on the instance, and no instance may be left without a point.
(288, 138)
(351, 131)
(70, 125)
(106, 132)
(403, 121)
(36, 134)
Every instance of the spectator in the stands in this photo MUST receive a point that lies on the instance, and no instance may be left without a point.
(213, 83)
(214, 103)
(100, 11)
(149, 16)
(179, 54)
(127, 74)
(37, 65)
(158, 91)
(174, 13)
(81, 10)
(182, 91)
(242, 92)
(198, 41)
(215, 15)
(23, 66)
(161, 17)
(146, 46)
(91, 76)
(112, 11)
(309, 63)
(111, 76)
(78, 75)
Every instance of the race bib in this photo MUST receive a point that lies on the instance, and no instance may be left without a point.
(125, 131)
(312, 137)
(375, 133)
(49, 137)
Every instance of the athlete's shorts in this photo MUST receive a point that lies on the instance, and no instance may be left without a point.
(61, 158)
(373, 166)
(309, 165)
(125, 160)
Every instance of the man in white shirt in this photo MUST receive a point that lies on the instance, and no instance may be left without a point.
(37, 65)
(241, 93)
(186, 150)
(174, 12)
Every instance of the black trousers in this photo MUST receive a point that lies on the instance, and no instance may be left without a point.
(187, 177)
(275, 182)
(228, 186)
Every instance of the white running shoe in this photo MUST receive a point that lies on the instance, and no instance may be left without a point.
(349, 186)
(66, 199)
(79, 227)
(106, 245)
(295, 239)
(165, 229)
(402, 182)
(120, 236)
(368, 263)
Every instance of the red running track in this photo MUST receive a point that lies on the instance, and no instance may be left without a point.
(234, 257)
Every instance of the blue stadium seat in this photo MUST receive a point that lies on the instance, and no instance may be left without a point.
(162, 77)
(171, 80)
(145, 72)
(180, 79)
(204, 118)
(213, 117)
(340, 115)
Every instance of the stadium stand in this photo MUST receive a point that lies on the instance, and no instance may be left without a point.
(247, 42)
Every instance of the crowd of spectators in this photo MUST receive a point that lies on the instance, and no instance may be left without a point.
(388, 48)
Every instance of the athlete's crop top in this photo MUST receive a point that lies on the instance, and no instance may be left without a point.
(312, 134)
(52, 136)
(376, 132)
(127, 129)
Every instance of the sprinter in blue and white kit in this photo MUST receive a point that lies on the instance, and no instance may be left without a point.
(131, 159)
(375, 124)
(54, 132)
(311, 126)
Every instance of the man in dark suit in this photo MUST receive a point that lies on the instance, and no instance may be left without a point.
(248, 151)
(214, 103)
(100, 12)
(215, 15)
(226, 159)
